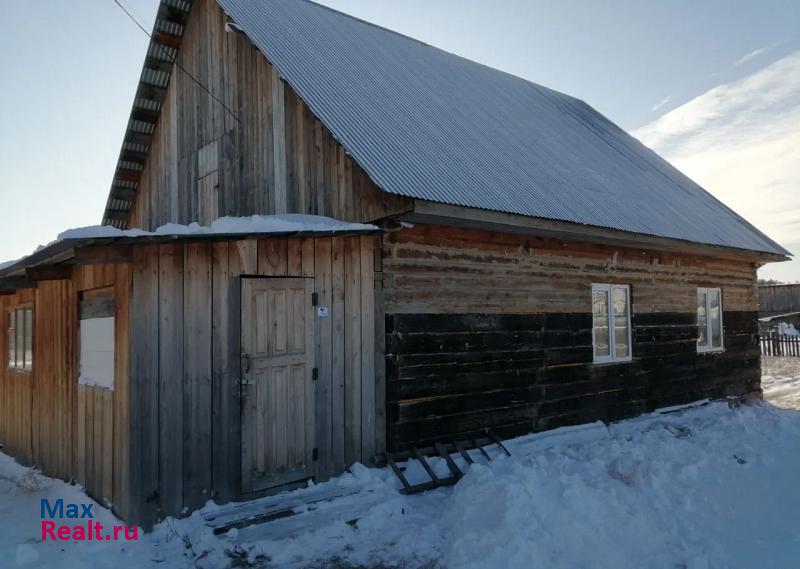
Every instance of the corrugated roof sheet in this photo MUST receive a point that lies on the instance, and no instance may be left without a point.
(430, 125)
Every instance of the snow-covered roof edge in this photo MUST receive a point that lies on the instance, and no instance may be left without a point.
(255, 226)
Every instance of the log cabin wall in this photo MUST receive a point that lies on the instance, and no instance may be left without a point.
(273, 156)
(69, 431)
(494, 330)
(186, 411)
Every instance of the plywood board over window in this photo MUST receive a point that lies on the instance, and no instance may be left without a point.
(97, 339)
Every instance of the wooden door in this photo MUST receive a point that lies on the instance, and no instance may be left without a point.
(277, 384)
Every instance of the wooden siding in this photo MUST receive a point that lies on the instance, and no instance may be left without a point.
(494, 330)
(16, 395)
(186, 363)
(46, 419)
(273, 156)
(778, 299)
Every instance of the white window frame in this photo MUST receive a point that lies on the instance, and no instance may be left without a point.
(612, 357)
(708, 348)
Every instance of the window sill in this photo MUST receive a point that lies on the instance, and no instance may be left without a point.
(20, 371)
(611, 362)
(711, 351)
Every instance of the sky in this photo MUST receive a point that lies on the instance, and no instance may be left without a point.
(713, 86)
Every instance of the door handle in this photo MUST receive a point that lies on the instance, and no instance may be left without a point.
(246, 363)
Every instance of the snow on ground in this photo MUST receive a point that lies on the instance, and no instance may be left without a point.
(780, 380)
(787, 329)
(708, 487)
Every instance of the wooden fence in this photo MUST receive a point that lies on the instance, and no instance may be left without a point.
(780, 345)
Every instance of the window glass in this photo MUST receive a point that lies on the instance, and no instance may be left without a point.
(600, 322)
(12, 339)
(611, 323)
(28, 363)
(709, 319)
(702, 321)
(621, 322)
(715, 318)
(20, 320)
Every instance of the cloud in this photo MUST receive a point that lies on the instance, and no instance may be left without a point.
(753, 54)
(741, 141)
(661, 103)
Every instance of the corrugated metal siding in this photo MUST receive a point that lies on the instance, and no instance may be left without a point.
(430, 125)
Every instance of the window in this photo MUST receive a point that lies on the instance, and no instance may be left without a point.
(611, 323)
(709, 320)
(20, 338)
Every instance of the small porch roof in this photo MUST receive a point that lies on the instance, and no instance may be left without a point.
(82, 245)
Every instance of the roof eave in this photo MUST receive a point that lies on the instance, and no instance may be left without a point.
(154, 79)
(67, 252)
(461, 216)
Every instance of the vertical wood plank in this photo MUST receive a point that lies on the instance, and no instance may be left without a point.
(144, 385)
(246, 256)
(107, 446)
(352, 350)
(379, 357)
(273, 257)
(121, 393)
(323, 336)
(294, 257)
(225, 390)
(197, 405)
(279, 142)
(338, 352)
(367, 351)
(80, 457)
(171, 374)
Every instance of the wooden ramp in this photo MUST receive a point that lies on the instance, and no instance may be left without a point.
(441, 450)
(271, 508)
(310, 507)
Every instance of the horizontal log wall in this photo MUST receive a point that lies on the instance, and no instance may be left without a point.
(186, 363)
(273, 156)
(46, 419)
(493, 330)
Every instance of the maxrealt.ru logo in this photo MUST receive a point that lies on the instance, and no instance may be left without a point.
(68, 530)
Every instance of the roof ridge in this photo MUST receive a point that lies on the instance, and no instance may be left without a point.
(374, 25)
(437, 48)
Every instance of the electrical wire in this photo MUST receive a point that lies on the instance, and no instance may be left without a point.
(173, 60)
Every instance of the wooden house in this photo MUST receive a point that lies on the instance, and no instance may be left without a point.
(527, 265)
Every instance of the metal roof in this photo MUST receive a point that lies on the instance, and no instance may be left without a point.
(430, 125)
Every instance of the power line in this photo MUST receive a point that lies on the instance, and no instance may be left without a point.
(173, 60)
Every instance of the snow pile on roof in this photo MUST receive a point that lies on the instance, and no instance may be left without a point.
(253, 225)
(708, 487)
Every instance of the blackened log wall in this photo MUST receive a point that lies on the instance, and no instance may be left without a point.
(491, 330)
